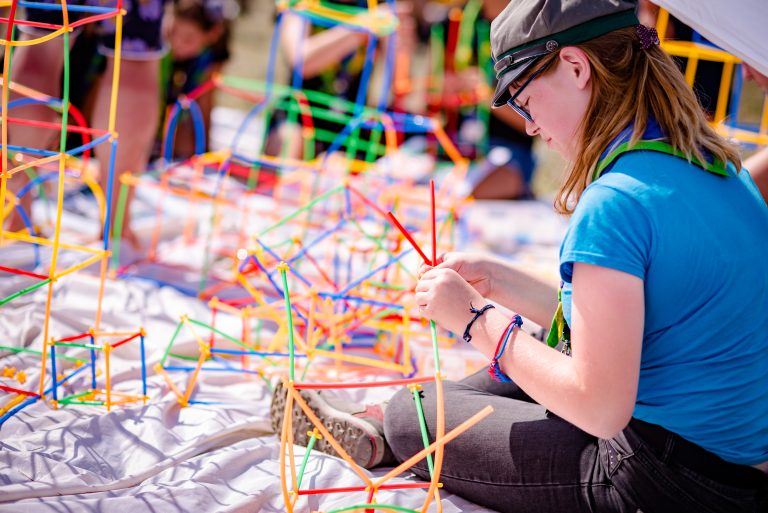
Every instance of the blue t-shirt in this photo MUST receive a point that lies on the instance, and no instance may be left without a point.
(699, 242)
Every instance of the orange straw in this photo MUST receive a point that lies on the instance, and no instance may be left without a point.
(474, 419)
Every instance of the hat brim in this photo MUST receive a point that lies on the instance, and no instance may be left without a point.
(501, 95)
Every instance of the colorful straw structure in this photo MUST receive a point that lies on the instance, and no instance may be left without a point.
(60, 168)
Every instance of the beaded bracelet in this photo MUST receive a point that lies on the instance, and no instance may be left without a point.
(494, 370)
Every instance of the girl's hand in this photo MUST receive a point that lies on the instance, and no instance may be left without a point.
(474, 269)
(445, 297)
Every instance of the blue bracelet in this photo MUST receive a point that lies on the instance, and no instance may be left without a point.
(494, 370)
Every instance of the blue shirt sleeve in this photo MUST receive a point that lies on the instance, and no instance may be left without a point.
(609, 228)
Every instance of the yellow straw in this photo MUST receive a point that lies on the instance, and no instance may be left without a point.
(179, 395)
(23, 237)
(31, 42)
(116, 72)
(35, 163)
(79, 266)
(287, 416)
(440, 433)
(4, 137)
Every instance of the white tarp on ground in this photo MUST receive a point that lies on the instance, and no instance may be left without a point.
(737, 26)
(158, 457)
(161, 458)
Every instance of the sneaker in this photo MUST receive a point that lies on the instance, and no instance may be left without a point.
(358, 429)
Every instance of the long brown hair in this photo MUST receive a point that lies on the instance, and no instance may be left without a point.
(629, 84)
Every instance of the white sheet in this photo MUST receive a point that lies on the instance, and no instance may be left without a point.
(160, 457)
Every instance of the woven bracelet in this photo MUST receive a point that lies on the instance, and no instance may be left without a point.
(478, 312)
(494, 370)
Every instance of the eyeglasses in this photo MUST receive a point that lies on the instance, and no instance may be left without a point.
(511, 102)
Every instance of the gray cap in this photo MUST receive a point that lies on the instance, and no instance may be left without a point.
(528, 29)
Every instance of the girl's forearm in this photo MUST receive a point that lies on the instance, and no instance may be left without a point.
(522, 292)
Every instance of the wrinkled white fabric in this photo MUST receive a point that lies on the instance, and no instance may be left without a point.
(159, 457)
(156, 457)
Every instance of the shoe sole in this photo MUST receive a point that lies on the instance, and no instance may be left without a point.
(345, 428)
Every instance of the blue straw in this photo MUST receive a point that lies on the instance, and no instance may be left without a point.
(367, 275)
(53, 371)
(110, 185)
(10, 413)
(143, 369)
(93, 364)
(360, 300)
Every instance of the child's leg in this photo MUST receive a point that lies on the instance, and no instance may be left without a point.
(519, 459)
(37, 67)
(136, 124)
(138, 96)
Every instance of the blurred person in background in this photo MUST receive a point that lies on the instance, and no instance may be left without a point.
(198, 33)
(40, 68)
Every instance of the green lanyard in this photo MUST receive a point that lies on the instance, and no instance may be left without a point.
(560, 332)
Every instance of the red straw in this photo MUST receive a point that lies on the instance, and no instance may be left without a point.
(98, 17)
(454, 18)
(56, 126)
(18, 391)
(32, 24)
(73, 337)
(408, 236)
(22, 272)
(367, 201)
(118, 344)
(434, 224)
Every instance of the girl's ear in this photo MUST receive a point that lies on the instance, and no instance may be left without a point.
(577, 64)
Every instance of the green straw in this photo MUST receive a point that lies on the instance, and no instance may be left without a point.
(466, 29)
(433, 329)
(184, 357)
(170, 344)
(73, 397)
(117, 231)
(75, 344)
(279, 90)
(437, 50)
(374, 506)
(310, 445)
(24, 291)
(388, 286)
(84, 403)
(423, 427)
(38, 353)
(282, 267)
(299, 211)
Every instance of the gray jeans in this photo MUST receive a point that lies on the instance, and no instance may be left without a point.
(523, 459)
